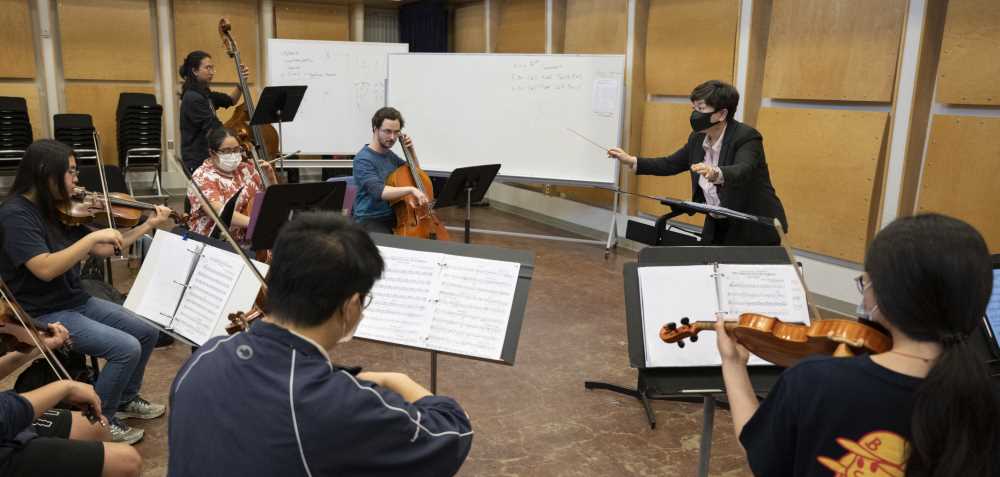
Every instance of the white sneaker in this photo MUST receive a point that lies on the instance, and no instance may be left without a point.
(140, 408)
(121, 432)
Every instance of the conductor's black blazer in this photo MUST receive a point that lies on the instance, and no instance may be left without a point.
(746, 183)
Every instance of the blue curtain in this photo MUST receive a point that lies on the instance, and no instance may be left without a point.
(424, 25)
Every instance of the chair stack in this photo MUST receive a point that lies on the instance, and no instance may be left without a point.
(15, 133)
(139, 121)
(77, 132)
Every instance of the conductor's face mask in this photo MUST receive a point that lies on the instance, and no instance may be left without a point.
(229, 161)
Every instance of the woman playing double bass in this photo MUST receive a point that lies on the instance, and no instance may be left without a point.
(198, 105)
(372, 166)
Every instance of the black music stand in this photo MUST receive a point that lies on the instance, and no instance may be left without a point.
(467, 185)
(278, 104)
(280, 201)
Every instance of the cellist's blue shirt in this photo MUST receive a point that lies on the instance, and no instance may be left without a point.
(370, 171)
(269, 402)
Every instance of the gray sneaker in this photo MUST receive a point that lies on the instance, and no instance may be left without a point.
(140, 408)
(121, 432)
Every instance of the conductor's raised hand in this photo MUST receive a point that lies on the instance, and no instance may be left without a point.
(624, 157)
(707, 171)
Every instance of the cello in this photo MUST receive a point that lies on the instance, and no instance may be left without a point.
(259, 142)
(413, 219)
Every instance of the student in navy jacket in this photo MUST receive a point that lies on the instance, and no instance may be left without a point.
(270, 402)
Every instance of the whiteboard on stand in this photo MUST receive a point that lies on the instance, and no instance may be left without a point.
(516, 110)
(346, 85)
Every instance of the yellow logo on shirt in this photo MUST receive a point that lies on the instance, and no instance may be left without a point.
(876, 454)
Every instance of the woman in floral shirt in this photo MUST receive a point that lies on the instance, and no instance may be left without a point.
(220, 177)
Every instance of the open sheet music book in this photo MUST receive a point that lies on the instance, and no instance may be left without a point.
(191, 288)
(697, 292)
(441, 302)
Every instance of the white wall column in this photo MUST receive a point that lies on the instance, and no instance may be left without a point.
(266, 33)
(46, 31)
(357, 11)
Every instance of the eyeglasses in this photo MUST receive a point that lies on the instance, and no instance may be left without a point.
(368, 300)
(860, 282)
(234, 150)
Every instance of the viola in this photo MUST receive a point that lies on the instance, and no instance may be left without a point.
(413, 219)
(783, 343)
(84, 207)
(11, 313)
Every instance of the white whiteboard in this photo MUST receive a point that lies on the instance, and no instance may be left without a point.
(346, 85)
(513, 110)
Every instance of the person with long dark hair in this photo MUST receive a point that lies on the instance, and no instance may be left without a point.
(40, 261)
(198, 105)
(926, 407)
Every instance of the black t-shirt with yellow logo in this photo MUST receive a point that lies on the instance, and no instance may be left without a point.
(833, 417)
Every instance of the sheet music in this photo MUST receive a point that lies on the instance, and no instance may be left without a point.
(442, 302)
(165, 271)
(208, 292)
(773, 290)
(401, 299)
(473, 306)
(669, 294)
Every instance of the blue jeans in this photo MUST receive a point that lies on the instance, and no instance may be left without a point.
(107, 330)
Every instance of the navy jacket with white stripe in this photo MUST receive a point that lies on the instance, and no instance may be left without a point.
(269, 402)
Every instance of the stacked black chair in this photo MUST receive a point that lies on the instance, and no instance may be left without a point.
(139, 121)
(77, 132)
(15, 133)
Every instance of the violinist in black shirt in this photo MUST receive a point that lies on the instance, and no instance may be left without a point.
(198, 105)
(926, 407)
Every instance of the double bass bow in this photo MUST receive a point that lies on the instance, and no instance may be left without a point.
(413, 219)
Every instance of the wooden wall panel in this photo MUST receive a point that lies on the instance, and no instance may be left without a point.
(311, 21)
(961, 173)
(32, 95)
(665, 128)
(522, 27)
(470, 28)
(101, 102)
(196, 27)
(823, 164)
(689, 42)
(106, 40)
(845, 50)
(596, 27)
(17, 47)
(970, 48)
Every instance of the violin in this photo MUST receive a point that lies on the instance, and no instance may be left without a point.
(784, 344)
(84, 207)
(413, 219)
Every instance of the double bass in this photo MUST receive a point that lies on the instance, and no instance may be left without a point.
(259, 142)
(413, 219)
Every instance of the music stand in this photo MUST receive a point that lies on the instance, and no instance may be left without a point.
(278, 104)
(466, 185)
(227, 214)
(280, 201)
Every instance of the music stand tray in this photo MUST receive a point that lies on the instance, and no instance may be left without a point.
(276, 205)
(466, 185)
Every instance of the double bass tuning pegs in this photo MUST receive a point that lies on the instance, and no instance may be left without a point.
(685, 321)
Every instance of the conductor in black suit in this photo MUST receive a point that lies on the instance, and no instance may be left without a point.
(726, 161)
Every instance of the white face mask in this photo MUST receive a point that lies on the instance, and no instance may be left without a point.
(229, 162)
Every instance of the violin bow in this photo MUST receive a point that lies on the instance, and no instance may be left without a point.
(223, 229)
(813, 311)
(104, 189)
(57, 367)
